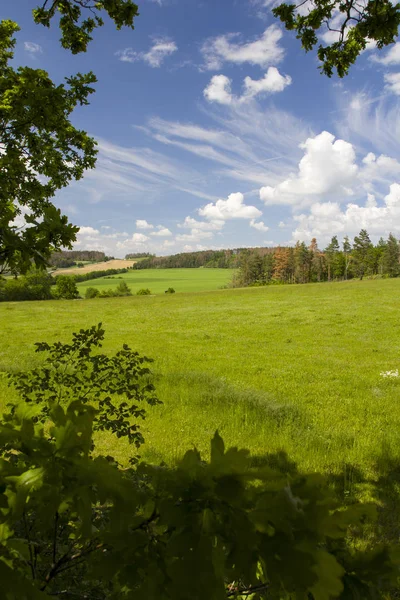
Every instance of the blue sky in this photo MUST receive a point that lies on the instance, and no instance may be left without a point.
(216, 130)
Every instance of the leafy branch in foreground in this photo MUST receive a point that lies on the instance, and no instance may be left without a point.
(355, 23)
(79, 18)
(75, 524)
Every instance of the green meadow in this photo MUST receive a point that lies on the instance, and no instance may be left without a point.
(293, 368)
(159, 280)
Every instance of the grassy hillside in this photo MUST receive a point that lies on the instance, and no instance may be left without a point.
(158, 280)
(294, 368)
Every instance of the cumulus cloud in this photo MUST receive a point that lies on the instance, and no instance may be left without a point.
(88, 231)
(323, 218)
(139, 238)
(162, 232)
(391, 57)
(159, 51)
(190, 223)
(33, 48)
(231, 208)
(263, 51)
(392, 82)
(143, 224)
(259, 226)
(272, 82)
(328, 166)
(219, 89)
(195, 235)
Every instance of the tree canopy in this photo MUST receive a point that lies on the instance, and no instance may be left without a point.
(356, 23)
(40, 149)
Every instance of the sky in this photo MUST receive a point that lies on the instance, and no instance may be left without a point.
(216, 130)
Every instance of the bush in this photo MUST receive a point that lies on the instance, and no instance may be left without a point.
(66, 288)
(35, 285)
(123, 290)
(169, 291)
(143, 292)
(92, 293)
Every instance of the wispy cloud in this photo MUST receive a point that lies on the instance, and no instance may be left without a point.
(162, 48)
(33, 49)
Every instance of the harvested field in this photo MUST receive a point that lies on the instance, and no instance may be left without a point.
(102, 266)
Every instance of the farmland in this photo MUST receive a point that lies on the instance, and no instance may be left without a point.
(294, 368)
(158, 280)
(116, 263)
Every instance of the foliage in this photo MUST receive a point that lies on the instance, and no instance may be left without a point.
(75, 29)
(134, 255)
(170, 290)
(303, 264)
(221, 259)
(41, 151)
(35, 285)
(75, 523)
(143, 292)
(68, 258)
(355, 23)
(66, 288)
(92, 293)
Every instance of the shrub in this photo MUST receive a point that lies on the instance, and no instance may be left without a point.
(143, 292)
(170, 291)
(123, 290)
(66, 288)
(35, 285)
(92, 293)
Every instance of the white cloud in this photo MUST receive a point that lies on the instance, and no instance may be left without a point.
(159, 51)
(190, 223)
(325, 218)
(327, 167)
(194, 236)
(162, 232)
(272, 82)
(263, 51)
(143, 224)
(259, 226)
(392, 82)
(219, 89)
(392, 56)
(33, 48)
(88, 231)
(139, 238)
(232, 208)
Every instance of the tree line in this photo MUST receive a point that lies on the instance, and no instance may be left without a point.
(69, 258)
(220, 259)
(306, 264)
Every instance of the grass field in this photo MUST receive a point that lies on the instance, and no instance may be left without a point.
(293, 367)
(158, 280)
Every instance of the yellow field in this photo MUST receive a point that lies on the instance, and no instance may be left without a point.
(110, 264)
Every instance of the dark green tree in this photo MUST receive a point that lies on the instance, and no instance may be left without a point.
(356, 23)
(41, 150)
(66, 288)
(362, 253)
(391, 257)
(331, 252)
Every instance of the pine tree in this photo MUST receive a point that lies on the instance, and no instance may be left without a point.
(331, 252)
(362, 252)
(391, 257)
